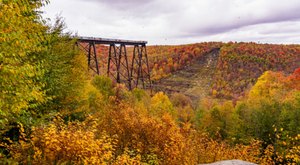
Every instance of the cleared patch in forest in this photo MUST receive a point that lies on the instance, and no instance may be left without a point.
(193, 81)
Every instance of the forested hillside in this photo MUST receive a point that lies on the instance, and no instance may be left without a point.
(54, 111)
(240, 64)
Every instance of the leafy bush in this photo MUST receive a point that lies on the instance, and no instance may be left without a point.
(104, 85)
(160, 104)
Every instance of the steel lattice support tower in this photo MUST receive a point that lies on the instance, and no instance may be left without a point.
(140, 72)
(90, 49)
(118, 67)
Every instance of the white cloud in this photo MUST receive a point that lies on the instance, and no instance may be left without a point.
(176, 22)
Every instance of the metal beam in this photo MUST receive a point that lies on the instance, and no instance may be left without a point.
(109, 41)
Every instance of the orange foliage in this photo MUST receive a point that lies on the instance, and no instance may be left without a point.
(240, 64)
(74, 143)
(141, 134)
(164, 60)
(135, 129)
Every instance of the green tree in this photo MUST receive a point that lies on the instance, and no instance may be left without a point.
(41, 72)
(272, 103)
(221, 121)
(104, 85)
(22, 38)
(65, 70)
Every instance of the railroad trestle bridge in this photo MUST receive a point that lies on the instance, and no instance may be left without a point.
(130, 69)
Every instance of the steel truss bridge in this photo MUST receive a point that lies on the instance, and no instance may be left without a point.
(130, 69)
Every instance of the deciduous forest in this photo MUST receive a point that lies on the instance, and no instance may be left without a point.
(53, 110)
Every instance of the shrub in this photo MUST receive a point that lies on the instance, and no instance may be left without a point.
(104, 85)
(72, 143)
(160, 104)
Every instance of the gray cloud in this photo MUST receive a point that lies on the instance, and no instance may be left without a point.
(225, 17)
(177, 21)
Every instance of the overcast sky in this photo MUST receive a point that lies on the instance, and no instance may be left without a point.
(182, 21)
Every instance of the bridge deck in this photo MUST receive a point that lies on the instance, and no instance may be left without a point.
(110, 41)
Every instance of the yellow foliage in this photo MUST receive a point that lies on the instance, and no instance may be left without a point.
(129, 133)
(74, 143)
(125, 158)
(269, 86)
(125, 136)
(161, 104)
(154, 139)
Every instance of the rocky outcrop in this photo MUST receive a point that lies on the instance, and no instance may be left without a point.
(231, 162)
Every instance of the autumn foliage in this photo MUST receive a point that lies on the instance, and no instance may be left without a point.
(167, 59)
(240, 64)
(53, 111)
(155, 133)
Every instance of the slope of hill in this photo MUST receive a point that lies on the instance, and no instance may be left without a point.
(52, 111)
(240, 64)
(228, 73)
(194, 80)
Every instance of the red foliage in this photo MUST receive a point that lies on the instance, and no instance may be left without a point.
(240, 64)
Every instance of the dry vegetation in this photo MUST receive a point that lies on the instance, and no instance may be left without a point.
(53, 112)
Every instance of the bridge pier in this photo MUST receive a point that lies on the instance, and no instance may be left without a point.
(91, 54)
(134, 73)
(140, 68)
(117, 67)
